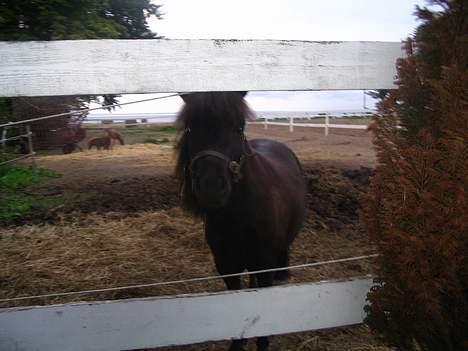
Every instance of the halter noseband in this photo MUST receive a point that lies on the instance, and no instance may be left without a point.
(234, 166)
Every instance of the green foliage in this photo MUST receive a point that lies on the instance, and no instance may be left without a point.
(14, 206)
(156, 141)
(84, 19)
(18, 199)
(163, 129)
(14, 177)
(415, 210)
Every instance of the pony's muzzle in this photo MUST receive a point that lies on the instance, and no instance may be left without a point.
(211, 192)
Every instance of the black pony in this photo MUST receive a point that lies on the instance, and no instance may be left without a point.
(251, 194)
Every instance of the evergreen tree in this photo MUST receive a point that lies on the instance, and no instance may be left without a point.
(415, 210)
(67, 20)
(76, 19)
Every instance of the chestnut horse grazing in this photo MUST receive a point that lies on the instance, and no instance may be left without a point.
(101, 142)
(114, 136)
(251, 194)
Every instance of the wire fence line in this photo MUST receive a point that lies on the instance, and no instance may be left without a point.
(30, 150)
(10, 124)
(191, 280)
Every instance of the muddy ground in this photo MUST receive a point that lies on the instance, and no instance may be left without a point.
(130, 230)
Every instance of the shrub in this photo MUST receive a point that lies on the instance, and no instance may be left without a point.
(415, 210)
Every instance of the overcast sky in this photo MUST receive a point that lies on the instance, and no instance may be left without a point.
(315, 20)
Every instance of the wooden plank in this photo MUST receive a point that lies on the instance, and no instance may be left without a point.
(141, 66)
(349, 126)
(153, 322)
(315, 125)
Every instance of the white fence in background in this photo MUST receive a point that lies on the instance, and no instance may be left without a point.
(291, 121)
(140, 66)
(296, 119)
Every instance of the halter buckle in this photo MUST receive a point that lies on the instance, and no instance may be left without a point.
(235, 169)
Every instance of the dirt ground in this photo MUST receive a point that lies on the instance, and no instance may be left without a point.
(130, 231)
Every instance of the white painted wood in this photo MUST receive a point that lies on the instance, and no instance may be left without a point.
(153, 322)
(142, 66)
(327, 123)
(348, 126)
(314, 125)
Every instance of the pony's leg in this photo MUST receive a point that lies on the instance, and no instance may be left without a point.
(264, 280)
(253, 281)
(234, 283)
(263, 343)
(283, 261)
(237, 345)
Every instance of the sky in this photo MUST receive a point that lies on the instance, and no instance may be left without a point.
(314, 20)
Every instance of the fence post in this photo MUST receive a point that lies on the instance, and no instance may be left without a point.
(4, 136)
(30, 144)
(327, 122)
(291, 125)
(265, 121)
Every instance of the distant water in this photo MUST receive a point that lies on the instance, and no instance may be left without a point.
(171, 116)
(139, 117)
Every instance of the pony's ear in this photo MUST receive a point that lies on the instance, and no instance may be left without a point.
(186, 97)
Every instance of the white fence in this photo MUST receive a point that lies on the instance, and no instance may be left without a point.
(291, 122)
(137, 66)
(299, 119)
(144, 66)
(178, 320)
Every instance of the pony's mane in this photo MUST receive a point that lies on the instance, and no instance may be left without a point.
(223, 110)
(210, 112)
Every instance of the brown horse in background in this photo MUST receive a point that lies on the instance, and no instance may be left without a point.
(251, 194)
(73, 137)
(100, 142)
(114, 136)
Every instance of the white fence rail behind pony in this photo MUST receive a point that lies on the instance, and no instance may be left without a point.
(114, 67)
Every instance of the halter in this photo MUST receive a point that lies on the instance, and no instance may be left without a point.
(234, 167)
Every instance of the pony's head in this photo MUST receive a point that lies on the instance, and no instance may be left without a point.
(211, 148)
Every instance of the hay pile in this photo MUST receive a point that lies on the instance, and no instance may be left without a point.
(99, 252)
(163, 153)
(103, 251)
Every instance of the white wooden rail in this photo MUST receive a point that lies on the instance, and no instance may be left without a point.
(178, 320)
(77, 67)
(327, 125)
